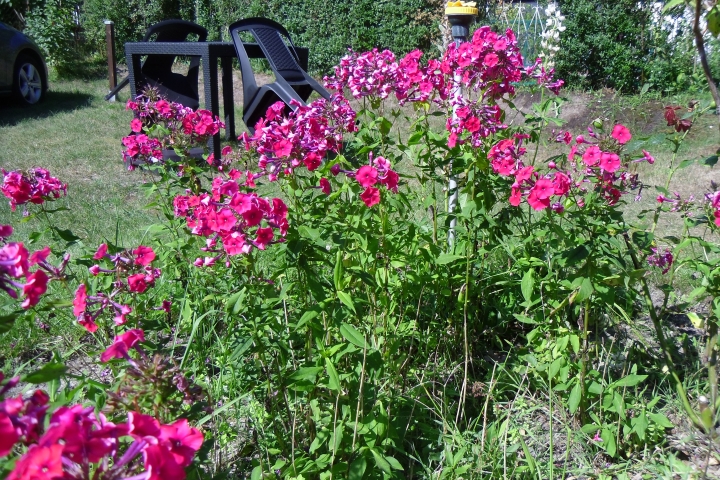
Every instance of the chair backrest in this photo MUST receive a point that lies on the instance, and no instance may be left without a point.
(270, 36)
(155, 66)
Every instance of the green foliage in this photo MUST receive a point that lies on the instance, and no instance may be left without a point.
(330, 28)
(606, 44)
(131, 19)
(52, 27)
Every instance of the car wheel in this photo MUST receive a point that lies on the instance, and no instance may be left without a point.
(28, 80)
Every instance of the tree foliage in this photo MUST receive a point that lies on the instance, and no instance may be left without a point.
(606, 44)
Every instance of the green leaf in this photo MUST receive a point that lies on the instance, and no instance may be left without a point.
(445, 258)
(619, 404)
(661, 420)
(393, 463)
(306, 374)
(713, 21)
(7, 322)
(67, 235)
(586, 289)
(380, 461)
(710, 161)
(240, 349)
(575, 397)
(256, 473)
(640, 425)
(527, 284)
(555, 367)
(575, 342)
(345, 298)
(357, 469)
(672, 4)
(628, 381)
(695, 319)
(49, 371)
(307, 316)
(608, 442)
(333, 377)
(352, 335)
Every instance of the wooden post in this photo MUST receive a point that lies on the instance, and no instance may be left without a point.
(110, 42)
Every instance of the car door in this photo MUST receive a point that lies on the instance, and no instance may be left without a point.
(6, 63)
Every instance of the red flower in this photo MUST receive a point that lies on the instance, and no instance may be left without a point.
(325, 186)
(39, 463)
(366, 176)
(391, 181)
(609, 162)
(282, 148)
(39, 256)
(621, 134)
(136, 125)
(182, 439)
(371, 196)
(143, 255)
(80, 302)
(264, 237)
(122, 344)
(8, 434)
(36, 285)
(591, 156)
(101, 251)
(87, 322)
(137, 283)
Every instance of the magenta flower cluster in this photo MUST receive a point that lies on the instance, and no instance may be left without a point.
(34, 186)
(304, 137)
(75, 442)
(185, 127)
(135, 265)
(233, 218)
(15, 265)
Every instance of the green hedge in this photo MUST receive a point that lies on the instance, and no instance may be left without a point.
(606, 44)
(327, 28)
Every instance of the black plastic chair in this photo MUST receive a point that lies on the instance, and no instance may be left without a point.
(156, 70)
(291, 81)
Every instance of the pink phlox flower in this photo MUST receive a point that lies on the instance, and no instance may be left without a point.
(39, 256)
(371, 196)
(35, 286)
(592, 156)
(143, 255)
(101, 252)
(366, 176)
(609, 162)
(621, 134)
(122, 344)
(325, 186)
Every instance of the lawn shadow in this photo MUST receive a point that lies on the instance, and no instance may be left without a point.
(12, 113)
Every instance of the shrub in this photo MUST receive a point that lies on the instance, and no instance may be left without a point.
(606, 44)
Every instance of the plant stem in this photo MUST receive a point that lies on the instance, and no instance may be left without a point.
(669, 363)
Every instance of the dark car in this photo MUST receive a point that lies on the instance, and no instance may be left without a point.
(23, 72)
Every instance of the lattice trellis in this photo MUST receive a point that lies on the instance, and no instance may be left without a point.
(527, 20)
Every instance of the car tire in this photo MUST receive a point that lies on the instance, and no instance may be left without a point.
(29, 82)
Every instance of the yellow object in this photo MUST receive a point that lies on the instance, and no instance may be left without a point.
(461, 8)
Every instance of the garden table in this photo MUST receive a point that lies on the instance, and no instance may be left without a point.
(209, 53)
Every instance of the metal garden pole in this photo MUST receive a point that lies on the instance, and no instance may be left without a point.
(460, 18)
